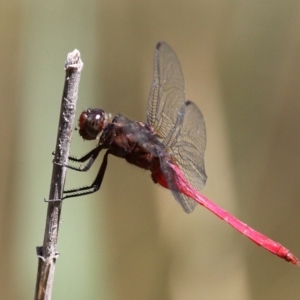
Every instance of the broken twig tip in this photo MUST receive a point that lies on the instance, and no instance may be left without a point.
(74, 60)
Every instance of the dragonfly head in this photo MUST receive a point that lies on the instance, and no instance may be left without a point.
(91, 123)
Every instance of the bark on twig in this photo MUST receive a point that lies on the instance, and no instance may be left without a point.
(47, 253)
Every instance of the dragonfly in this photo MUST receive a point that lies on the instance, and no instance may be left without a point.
(171, 145)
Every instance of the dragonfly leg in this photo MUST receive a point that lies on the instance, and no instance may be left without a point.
(94, 187)
(91, 157)
(88, 155)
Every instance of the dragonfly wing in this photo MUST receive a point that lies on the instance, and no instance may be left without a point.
(189, 146)
(187, 152)
(167, 95)
(170, 176)
(179, 124)
(186, 202)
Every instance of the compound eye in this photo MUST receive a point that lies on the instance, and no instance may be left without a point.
(91, 123)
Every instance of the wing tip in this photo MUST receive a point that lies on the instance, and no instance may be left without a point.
(158, 45)
(161, 44)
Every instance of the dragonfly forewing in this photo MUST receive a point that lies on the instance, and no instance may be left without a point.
(167, 92)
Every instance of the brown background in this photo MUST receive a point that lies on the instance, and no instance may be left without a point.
(132, 240)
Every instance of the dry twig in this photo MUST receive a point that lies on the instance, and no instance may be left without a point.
(47, 253)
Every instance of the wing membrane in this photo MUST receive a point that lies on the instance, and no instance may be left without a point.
(189, 146)
(166, 96)
(188, 150)
(179, 124)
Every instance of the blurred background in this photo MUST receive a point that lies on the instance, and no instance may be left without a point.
(131, 240)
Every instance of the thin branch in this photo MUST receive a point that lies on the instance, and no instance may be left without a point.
(47, 253)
